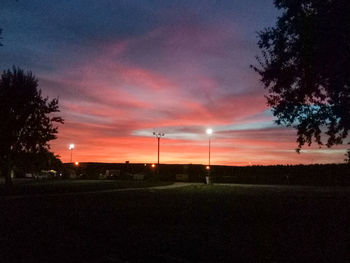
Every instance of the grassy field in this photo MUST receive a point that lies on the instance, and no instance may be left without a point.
(30, 187)
(191, 224)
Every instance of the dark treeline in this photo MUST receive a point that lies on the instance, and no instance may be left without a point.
(316, 174)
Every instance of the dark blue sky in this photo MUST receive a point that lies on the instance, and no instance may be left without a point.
(54, 28)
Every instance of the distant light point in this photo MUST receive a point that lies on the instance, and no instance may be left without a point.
(209, 131)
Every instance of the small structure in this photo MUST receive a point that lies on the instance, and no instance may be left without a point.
(112, 173)
(102, 176)
(138, 177)
(182, 177)
(28, 175)
(45, 174)
(71, 174)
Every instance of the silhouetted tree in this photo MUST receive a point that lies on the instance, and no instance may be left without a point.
(35, 162)
(347, 155)
(27, 123)
(305, 66)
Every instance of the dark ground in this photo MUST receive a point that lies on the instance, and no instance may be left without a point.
(47, 186)
(191, 224)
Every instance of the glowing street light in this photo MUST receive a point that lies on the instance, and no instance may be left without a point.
(209, 131)
(71, 147)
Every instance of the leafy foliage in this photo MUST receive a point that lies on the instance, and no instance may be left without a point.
(305, 67)
(347, 157)
(36, 162)
(27, 123)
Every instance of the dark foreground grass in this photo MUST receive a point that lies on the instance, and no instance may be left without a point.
(30, 187)
(192, 224)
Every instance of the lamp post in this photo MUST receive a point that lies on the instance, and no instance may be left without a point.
(71, 147)
(209, 133)
(158, 136)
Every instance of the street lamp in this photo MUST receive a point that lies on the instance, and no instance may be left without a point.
(209, 133)
(158, 135)
(71, 147)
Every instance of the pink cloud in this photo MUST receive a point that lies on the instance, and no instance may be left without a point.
(107, 99)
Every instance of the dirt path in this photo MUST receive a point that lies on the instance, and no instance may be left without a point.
(161, 187)
(295, 188)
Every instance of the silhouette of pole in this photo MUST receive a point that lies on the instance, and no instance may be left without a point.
(158, 149)
(209, 151)
(158, 135)
(209, 133)
(71, 147)
(207, 178)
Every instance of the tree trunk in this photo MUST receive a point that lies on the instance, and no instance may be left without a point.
(8, 179)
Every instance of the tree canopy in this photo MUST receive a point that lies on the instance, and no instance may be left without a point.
(36, 162)
(27, 119)
(305, 67)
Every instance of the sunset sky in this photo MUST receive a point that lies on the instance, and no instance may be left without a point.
(123, 69)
